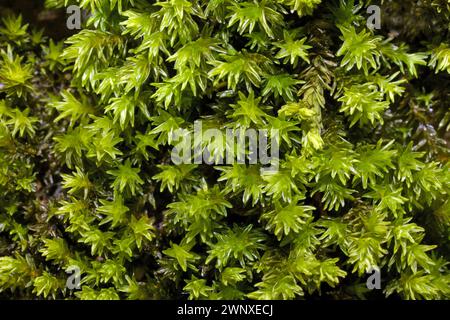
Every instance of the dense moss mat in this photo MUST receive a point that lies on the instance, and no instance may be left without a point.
(88, 124)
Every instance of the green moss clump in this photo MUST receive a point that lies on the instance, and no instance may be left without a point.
(88, 125)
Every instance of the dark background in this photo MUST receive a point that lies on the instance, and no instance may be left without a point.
(53, 21)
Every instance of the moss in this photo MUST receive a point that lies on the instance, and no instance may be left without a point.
(89, 127)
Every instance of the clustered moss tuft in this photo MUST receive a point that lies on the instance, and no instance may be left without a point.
(87, 127)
